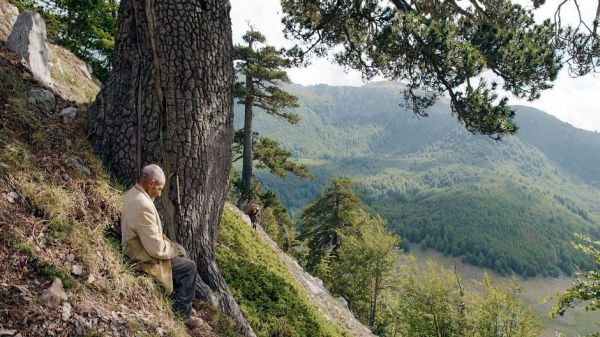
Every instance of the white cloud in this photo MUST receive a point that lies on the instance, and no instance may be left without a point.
(571, 100)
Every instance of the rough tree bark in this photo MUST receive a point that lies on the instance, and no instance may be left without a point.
(169, 101)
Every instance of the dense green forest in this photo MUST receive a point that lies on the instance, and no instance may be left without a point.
(510, 205)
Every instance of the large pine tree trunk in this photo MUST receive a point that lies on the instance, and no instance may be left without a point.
(169, 101)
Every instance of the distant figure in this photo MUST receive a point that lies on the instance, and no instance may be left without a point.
(253, 211)
(146, 245)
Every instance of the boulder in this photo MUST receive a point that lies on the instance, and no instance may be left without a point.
(43, 98)
(68, 113)
(8, 16)
(28, 39)
(54, 295)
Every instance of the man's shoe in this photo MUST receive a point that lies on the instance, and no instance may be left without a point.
(193, 322)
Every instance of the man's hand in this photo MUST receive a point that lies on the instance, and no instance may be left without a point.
(181, 250)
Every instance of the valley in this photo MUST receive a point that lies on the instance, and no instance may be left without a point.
(511, 206)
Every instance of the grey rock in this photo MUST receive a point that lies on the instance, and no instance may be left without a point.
(6, 332)
(70, 257)
(43, 98)
(68, 113)
(54, 295)
(77, 270)
(66, 311)
(79, 165)
(28, 39)
(91, 279)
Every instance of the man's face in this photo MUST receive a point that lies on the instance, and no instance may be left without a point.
(154, 188)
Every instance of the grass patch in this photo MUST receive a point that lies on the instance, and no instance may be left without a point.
(268, 295)
(25, 248)
(50, 271)
(52, 200)
(60, 228)
(14, 158)
(41, 140)
(15, 92)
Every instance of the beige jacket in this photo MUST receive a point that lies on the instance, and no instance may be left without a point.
(143, 239)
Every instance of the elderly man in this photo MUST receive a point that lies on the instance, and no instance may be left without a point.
(146, 245)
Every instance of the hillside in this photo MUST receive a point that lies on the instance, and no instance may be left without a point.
(56, 205)
(64, 273)
(509, 205)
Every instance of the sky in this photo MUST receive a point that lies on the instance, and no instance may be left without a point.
(572, 100)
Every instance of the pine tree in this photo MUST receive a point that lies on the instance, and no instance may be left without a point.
(169, 101)
(263, 68)
(322, 221)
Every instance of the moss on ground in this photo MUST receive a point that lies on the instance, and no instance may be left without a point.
(269, 296)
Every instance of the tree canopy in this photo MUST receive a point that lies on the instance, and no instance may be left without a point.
(436, 47)
(587, 288)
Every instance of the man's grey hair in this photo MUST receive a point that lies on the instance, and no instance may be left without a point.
(152, 172)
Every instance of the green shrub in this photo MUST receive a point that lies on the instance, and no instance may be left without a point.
(25, 248)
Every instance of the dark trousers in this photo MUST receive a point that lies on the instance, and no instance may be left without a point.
(184, 283)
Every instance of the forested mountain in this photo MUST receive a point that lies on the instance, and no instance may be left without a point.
(510, 205)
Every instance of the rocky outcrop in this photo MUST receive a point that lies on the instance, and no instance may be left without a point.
(71, 76)
(332, 308)
(28, 39)
(8, 17)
